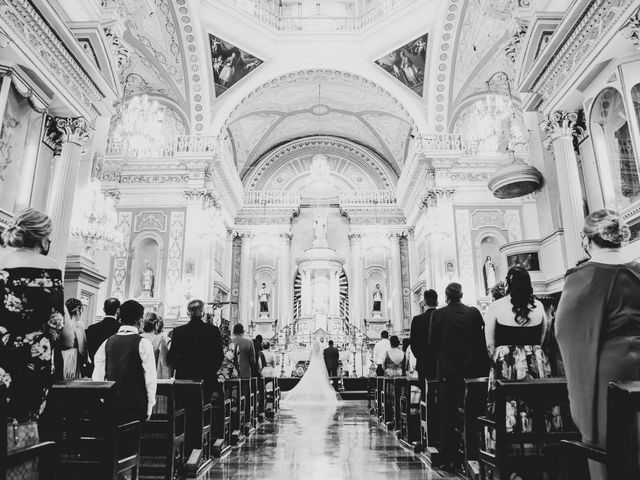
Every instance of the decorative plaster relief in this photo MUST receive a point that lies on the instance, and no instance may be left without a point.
(465, 251)
(514, 225)
(405, 279)
(488, 218)
(150, 221)
(120, 261)
(176, 242)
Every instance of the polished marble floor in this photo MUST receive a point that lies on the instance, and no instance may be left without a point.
(319, 443)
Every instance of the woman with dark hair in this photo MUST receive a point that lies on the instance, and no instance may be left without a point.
(395, 359)
(74, 341)
(514, 329)
(598, 325)
(31, 320)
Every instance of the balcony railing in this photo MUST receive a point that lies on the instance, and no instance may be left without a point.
(269, 198)
(368, 197)
(269, 14)
(444, 142)
(181, 144)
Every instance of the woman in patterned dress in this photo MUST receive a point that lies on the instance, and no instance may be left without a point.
(31, 322)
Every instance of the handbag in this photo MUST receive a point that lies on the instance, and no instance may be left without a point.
(19, 437)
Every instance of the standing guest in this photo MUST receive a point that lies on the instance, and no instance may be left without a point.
(196, 349)
(260, 361)
(31, 322)
(457, 338)
(514, 329)
(269, 360)
(419, 340)
(127, 359)
(331, 360)
(410, 359)
(246, 355)
(598, 325)
(74, 341)
(394, 360)
(228, 369)
(380, 351)
(109, 325)
(152, 331)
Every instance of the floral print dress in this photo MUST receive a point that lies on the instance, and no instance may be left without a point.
(31, 319)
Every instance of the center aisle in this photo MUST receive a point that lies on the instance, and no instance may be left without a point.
(309, 443)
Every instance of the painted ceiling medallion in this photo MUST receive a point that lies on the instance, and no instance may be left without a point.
(319, 110)
(407, 64)
(230, 64)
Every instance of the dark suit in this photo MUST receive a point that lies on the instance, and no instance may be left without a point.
(99, 332)
(426, 361)
(331, 360)
(196, 354)
(457, 337)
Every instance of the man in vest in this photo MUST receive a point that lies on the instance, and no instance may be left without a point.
(127, 359)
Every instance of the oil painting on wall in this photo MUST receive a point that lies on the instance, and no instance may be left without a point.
(230, 64)
(407, 63)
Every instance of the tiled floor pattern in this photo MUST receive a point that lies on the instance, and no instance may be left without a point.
(320, 443)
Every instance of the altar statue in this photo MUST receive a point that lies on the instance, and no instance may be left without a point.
(263, 298)
(320, 227)
(489, 272)
(377, 299)
(147, 280)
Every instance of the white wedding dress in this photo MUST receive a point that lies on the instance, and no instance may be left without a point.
(314, 387)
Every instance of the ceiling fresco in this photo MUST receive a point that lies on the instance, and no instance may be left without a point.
(407, 64)
(230, 64)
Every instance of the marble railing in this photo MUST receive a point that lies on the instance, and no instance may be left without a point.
(269, 14)
(271, 198)
(367, 197)
(181, 144)
(441, 142)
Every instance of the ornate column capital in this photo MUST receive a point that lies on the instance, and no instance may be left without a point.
(72, 130)
(113, 193)
(4, 41)
(560, 124)
(631, 30)
(354, 238)
(208, 198)
(433, 195)
(286, 238)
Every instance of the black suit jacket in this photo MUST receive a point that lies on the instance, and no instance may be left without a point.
(99, 332)
(196, 353)
(425, 357)
(457, 335)
(331, 357)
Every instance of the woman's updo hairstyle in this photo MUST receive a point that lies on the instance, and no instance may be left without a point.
(74, 306)
(606, 228)
(27, 230)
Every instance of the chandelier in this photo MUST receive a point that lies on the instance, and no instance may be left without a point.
(139, 128)
(96, 221)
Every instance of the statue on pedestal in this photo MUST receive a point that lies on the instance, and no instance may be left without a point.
(489, 272)
(377, 299)
(320, 230)
(263, 297)
(147, 280)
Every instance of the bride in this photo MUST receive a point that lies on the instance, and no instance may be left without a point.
(314, 387)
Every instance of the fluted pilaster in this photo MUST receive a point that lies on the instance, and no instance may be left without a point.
(356, 294)
(285, 282)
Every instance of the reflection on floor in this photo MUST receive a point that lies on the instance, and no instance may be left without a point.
(309, 443)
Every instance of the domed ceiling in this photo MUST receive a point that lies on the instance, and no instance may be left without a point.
(319, 102)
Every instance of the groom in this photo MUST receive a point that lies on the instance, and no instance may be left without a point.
(331, 359)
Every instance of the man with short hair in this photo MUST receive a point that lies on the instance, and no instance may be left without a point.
(109, 325)
(380, 351)
(246, 352)
(331, 361)
(127, 359)
(419, 340)
(196, 349)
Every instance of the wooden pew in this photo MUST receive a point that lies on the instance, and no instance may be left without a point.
(249, 412)
(221, 425)
(45, 454)
(621, 457)
(233, 391)
(431, 420)
(474, 406)
(260, 399)
(380, 399)
(522, 443)
(197, 438)
(372, 395)
(271, 397)
(409, 415)
(162, 453)
(82, 418)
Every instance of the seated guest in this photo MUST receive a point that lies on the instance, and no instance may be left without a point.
(109, 325)
(394, 360)
(31, 307)
(246, 355)
(269, 360)
(152, 331)
(228, 369)
(514, 329)
(127, 359)
(196, 349)
(74, 341)
(380, 351)
(598, 326)
(457, 337)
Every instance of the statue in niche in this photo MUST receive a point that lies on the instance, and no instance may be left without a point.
(320, 228)
(147, 280)
(377, 299)
(263, 297)
(489, 273)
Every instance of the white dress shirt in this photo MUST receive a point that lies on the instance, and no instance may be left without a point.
(148, 364)
(380, 350)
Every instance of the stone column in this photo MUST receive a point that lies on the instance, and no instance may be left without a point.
(246, 300)
(306, 293)
(356, 284)
(559, 128)
(442, 238)
(394, 295)
(74, 132)
(285, 282)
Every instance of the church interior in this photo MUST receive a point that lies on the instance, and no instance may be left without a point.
(308, 170)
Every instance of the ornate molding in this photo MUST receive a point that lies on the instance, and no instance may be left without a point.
(560, 124)
(207, 198)
(113, 193)
(631, 30)
(73, 130)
